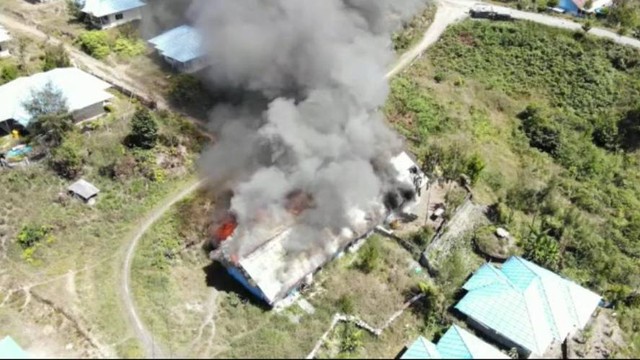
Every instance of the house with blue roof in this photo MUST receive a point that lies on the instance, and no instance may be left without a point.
(182, 48)
(578, 7)
(84, 93)
(525, 306)
(456, 343)
(105, 14)
(9, 349)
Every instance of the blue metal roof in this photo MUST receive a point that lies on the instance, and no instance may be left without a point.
(9, 349)
(99, 8)
(421, 349)
(458, 343)
(182, 44)
(528, 304)
(78, 87)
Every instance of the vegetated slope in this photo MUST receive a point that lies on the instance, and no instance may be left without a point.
(551, 121)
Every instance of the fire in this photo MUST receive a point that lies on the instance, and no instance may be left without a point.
(298, 201)
(226, 228)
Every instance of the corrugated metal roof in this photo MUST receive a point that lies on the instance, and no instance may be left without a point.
(9, 349)
(421, 349)
(84, 188)
(182, 43)
(4, 34)
(457, 343)
(99, 8)
(528, 304)
(78, 87)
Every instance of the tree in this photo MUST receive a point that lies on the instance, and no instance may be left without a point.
(587, 26)
(74, 8)
(474, 167)
(144, 130)
(543, 133)
(542, 249)
(553, 3)
(55, 57)
(629, 129)
(67, 160)
(50, 115)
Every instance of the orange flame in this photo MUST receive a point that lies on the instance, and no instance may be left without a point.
(226, 229)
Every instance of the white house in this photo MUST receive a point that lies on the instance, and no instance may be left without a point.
(106, 14)
(181, 48)
(85, 94)
(4, 40)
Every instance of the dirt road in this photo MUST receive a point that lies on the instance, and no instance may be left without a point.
(152, 349)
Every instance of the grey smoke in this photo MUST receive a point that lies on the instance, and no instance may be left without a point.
(321, 65)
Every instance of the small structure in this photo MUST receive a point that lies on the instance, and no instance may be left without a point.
(577, 7)
(86, 96)
(84, 190)
(456, 343)
(9, 349)
(106, 14)
(5, 37)
(525, 306)
(181, 48)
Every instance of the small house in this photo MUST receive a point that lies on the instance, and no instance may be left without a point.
(578, 7)
(84, 190)
(9, 349)
(525, 306)
(181, 47)
(5, 38)
(456, 343)
(86, 96)
(106, 14)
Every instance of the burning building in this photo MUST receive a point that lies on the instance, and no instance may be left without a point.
(271, 271)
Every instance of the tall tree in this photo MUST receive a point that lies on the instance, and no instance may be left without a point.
(144, 129)
(50, 117)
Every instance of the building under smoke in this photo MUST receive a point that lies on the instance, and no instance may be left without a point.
(304, 149)
(271, 272)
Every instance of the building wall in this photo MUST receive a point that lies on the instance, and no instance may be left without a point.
(88, 112)
(127, 16)
(239, 276)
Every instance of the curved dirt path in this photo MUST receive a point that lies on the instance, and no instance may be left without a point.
(151, 347)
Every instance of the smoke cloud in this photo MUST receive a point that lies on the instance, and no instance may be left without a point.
(319, 66)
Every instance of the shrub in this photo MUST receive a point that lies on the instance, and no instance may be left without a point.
(95, 43)
(144, 130)
(186, 90)
(30, 235)
(474, 167)
(345, 304)
(439, 77)
(351, 339)
(542, 249)
(8, 72)
(127, 47)
(370, 257)
(423, 236)
(55, 57)
(543, 133)
(588, 25)
(67, 160)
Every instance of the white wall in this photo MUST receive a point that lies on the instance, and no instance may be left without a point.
(127, 16)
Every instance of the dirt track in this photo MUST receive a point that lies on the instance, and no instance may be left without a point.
(152, 349)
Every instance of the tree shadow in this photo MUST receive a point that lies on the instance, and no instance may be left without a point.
(216, 276)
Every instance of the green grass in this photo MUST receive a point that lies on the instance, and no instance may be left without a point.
(582, 194)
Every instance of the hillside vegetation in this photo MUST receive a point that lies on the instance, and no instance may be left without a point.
(551, 120)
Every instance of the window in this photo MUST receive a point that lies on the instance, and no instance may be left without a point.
(119, 16)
